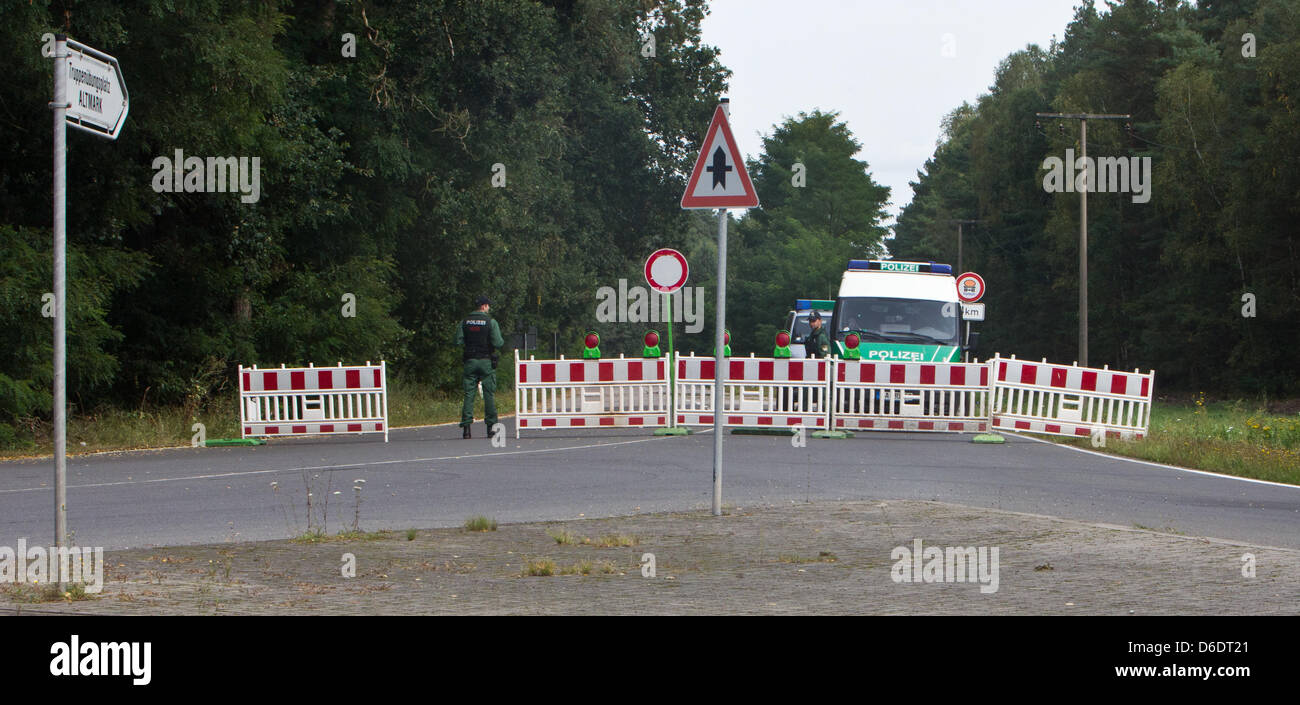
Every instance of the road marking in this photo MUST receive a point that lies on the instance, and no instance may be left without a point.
(343, 466)
(1158, 465)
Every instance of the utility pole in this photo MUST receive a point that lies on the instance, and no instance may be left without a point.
(960, 269)
(1083, 216)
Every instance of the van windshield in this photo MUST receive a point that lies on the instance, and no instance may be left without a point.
(898, 320)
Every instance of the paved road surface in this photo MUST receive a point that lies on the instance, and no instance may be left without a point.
(429, 477)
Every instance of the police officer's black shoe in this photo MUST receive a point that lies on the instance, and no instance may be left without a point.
(466, 431)
(489, 430)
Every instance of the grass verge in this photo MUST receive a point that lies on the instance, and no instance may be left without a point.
(151, 426)
(1233, 438)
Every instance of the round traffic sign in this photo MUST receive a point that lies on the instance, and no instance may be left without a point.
(666, 270)
(970, 287)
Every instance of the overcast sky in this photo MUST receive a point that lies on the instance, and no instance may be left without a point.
(881, 64)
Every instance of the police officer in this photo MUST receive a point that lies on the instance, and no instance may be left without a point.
(817, 343)
(481, 337)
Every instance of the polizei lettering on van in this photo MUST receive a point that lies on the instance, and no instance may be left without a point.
(883, 352)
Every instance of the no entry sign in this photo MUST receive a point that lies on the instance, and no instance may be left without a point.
(666, 270)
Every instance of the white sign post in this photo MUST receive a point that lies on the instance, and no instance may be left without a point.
(99, 107)
(727, 186)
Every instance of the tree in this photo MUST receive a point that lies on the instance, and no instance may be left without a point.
(798, 244)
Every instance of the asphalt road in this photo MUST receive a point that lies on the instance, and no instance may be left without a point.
(429, 477)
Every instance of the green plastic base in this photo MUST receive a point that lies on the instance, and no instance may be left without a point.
(832, 434)
(988, 438)
(762, 431)
(234, 442)
(675, 431)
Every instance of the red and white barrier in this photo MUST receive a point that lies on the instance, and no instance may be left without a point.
(1009, 394)
(310, 401)
(777, 392)
(590, 393)
(1069, 400)
(911, 396)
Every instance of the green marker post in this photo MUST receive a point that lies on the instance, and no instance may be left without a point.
(673, 429)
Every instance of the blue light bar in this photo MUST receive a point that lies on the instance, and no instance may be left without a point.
(897, 266)
(818, 304)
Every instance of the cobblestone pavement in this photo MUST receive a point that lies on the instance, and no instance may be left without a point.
(816, 558)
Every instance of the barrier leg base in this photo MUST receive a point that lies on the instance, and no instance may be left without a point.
(763, 431)
(674, 431)
(988, 438)
(832, 434)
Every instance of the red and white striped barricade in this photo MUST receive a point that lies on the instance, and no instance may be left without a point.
(590, 393)
(758, 392)
(1069, 400)
(311, 401)
(911, 396)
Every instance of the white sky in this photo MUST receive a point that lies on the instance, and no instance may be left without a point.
(879, 63)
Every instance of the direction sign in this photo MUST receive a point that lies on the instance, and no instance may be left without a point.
(96, 91)
(666, 270)
(719, 179)
(972, 312)
(970, 287)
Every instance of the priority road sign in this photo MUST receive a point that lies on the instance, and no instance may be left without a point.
(719, 179)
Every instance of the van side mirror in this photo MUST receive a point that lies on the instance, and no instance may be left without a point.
(972, 341)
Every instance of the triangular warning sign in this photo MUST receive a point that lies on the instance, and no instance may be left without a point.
(719, 179)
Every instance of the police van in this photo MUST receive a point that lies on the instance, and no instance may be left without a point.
(797, 322)
(898, 312)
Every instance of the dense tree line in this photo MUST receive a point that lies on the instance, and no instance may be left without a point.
(377, 171)
(1213, 92)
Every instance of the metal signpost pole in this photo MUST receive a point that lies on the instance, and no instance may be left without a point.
(719, 365)
(60, 106)
(672, 366)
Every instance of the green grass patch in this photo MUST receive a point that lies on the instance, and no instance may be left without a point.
(480, 523)
(617, 540)
(543, 567)
(343, 536)
(564, 538)
(567, 538)
(540, 567)
(410, 534)
(1233, 438)
(32, 594)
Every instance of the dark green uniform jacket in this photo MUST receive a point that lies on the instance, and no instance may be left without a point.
(818, 342)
